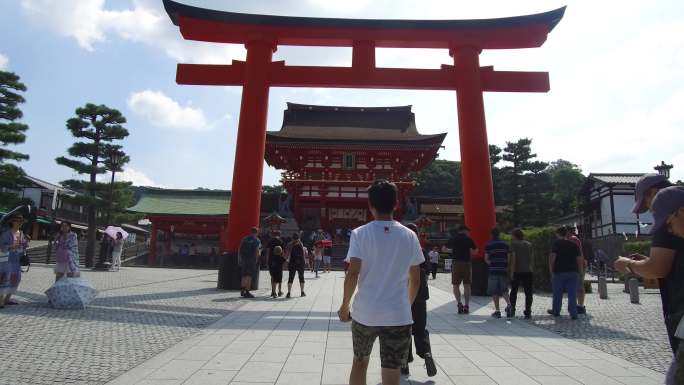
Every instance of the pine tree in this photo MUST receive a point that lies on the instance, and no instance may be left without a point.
(519, 154)
(98, 126)
(11, 133)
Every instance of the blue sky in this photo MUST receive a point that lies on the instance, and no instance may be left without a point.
(616, 100)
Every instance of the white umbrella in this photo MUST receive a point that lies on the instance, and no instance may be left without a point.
(112, 230)
(71, 293)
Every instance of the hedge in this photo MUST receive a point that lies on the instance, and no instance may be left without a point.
(541, 240)
(641, 247)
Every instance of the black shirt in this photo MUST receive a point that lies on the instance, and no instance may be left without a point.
(423, 291)
(566, 256)
(275, 261)
(672, 286)
(460, 246)
(296, 254)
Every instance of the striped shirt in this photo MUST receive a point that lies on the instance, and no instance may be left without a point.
(497, 250)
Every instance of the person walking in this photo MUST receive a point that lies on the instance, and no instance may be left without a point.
(296, 253)
(66, 247)
(384, 263)
(565, 263)
(274, 255)
(462, 249)
(117, 250)
(434, 261)
(421, 336)
(317, 256)
(249, 251)
(521, 263)
(497, 256)
(666, 263)
(327, 258)
(13, 244)
(581, 293)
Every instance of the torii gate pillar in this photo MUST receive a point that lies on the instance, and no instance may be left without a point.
(248, 167)
(476, 172)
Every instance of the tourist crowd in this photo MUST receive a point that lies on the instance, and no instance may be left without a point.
(387, 273)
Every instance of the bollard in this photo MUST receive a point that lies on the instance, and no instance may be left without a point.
(634, 290)
(602, 288)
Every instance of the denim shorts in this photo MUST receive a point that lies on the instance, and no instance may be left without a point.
(497, 284)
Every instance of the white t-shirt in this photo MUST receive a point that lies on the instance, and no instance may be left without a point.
(434, 256)
(387, 250)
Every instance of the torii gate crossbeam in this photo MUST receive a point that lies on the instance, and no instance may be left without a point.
(261, 35)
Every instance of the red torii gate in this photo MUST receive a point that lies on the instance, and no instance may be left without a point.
(261, 35)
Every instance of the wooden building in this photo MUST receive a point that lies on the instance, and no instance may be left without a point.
(331, 154)
(607, 201)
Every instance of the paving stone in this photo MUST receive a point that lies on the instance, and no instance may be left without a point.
(635, 333)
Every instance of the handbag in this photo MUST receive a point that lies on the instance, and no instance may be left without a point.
(24, 260)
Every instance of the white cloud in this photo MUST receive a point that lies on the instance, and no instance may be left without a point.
(90, 24)
(4, 62)
(162, 111)
(138, 178)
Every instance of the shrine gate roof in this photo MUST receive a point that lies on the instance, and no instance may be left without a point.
(183, 202)
(306, 123)
(229, 27)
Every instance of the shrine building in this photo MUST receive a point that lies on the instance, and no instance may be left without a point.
(331, 154)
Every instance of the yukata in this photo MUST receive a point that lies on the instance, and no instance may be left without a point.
(10, 261)
(67, 254)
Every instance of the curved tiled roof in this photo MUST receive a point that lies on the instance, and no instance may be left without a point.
(307, 123)
(183, 202)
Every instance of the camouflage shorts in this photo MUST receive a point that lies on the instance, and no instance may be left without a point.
(394, 343)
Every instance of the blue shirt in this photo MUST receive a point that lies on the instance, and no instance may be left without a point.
(497, 250)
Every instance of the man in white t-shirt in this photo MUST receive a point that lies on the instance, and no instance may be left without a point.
(384, 262)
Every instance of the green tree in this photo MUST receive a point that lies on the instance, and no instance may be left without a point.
(439, 178)
(519, 155)
(567, 180)
(98, 126)
(497, 174)
(11, 133)
(275, 189)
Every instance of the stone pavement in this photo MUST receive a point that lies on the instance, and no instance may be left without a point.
(635, 333)
(138, 313)
(299, 342)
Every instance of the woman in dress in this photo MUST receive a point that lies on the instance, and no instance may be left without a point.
(13, 244)
(117, 249)
(66, 246)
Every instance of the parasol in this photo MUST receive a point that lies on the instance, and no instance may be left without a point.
(71, 293)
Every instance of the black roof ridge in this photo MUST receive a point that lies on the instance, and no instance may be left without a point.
(174, 9)
(165, 191)
(617, 173)
(320, 107)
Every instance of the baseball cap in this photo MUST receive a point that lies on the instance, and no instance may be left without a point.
(666, 201)
(646, 182)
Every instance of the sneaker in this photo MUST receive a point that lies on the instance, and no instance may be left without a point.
(496, 314)
(550, 312)
(466, 309)
(509, 312)
(581, 309)
(460, 308)
(405, 370)
(430, 365)
(248, 295)
(280, 294)
(528, 314)
(288, 295)
(303, 294)
(10, 302)
(273, 294)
